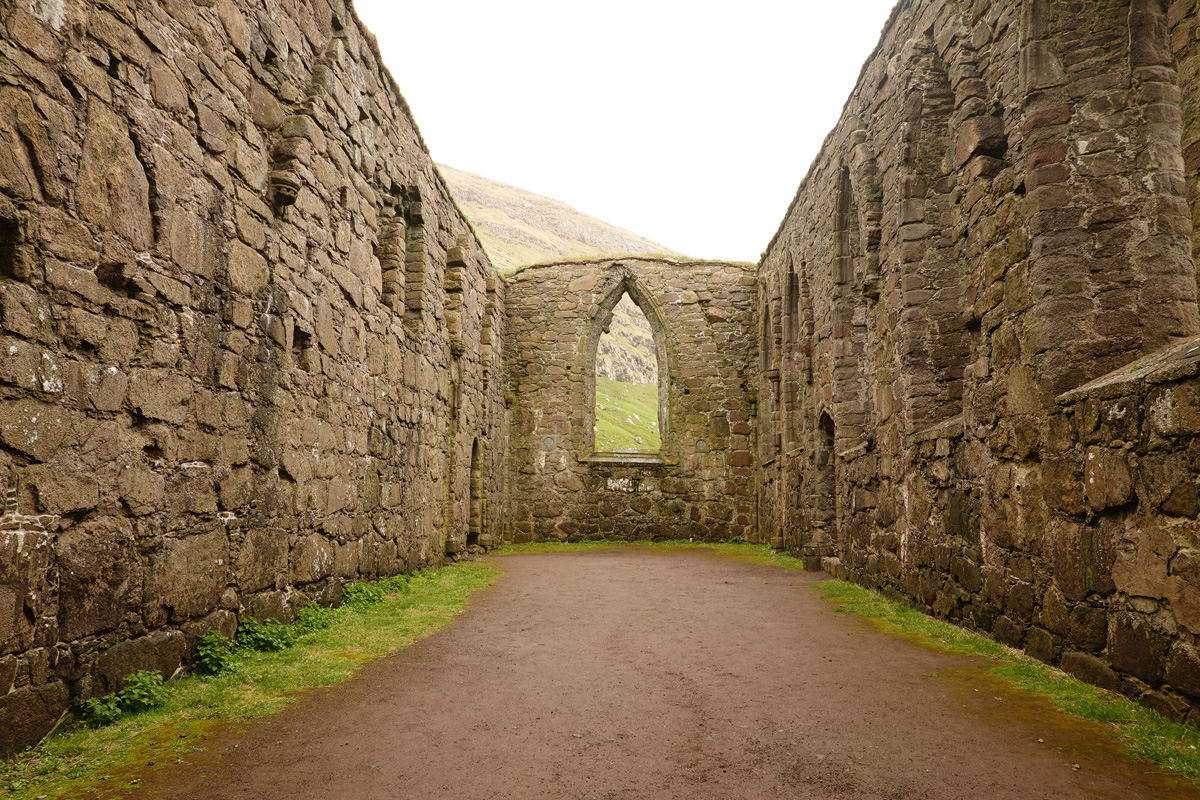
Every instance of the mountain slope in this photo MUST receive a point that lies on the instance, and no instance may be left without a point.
(519, 227)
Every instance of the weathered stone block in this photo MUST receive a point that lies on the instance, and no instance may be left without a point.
(113, 191)
(161, 651)
(186, 577)
(1090, 669)
(35, 428)
(1142, 556)
(1183, 669)
(980, 136)
(60, 490)
(1182, 588)
(100, 577)
(311, 559)
(161, 394)
(1107, 480)
(1174, 410)
(247, 270)
(29, 714)
(1134, 646)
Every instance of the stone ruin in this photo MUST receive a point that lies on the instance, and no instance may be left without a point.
(250, 349)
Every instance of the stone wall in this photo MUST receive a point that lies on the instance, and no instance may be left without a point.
(1125, 554)
(999, 217)
(250, 348)
(701, 484)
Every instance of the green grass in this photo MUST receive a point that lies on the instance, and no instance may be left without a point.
(86, 763)
(1145, 733)
(617, 402)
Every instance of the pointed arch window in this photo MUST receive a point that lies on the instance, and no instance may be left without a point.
(627, 378)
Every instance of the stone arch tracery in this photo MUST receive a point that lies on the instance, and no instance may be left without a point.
(625, 282)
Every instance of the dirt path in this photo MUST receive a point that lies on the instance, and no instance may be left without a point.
(636, 674)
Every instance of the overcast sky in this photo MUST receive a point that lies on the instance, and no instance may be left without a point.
(689, 123)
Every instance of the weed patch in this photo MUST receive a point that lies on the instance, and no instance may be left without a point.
(142, 691)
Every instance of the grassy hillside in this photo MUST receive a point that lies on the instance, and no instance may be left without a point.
(518, 227)
(624, 412)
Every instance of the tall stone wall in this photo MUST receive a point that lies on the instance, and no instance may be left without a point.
(249, 348)
(1000, 216)
(701, 484)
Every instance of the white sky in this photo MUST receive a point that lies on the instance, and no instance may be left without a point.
(690, 123)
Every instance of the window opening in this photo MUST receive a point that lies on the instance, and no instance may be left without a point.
(627, 390)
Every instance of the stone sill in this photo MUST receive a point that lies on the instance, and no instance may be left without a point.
(627, 459)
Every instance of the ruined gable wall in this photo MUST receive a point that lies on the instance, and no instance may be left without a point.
(702, 314)
(998, 217)
(249, 344)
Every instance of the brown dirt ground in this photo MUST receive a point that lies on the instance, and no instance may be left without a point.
(640, 674)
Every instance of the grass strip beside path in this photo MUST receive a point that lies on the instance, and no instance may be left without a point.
(105, 762)
(1145, 733)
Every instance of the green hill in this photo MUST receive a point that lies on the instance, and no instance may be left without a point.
(624, 412)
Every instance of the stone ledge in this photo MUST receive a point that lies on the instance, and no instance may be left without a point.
(949, 429)
(1172, 363)
(627, 459)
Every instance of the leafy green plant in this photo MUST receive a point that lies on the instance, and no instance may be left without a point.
(398, 584)
(360, 595)
(215, 654)
(263, 637)
(314, 617)
(100, 711)
(142, 691)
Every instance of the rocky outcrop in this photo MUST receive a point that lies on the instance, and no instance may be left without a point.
(519, 227)
(627, 353)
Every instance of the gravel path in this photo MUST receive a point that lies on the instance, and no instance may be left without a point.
(638, 674)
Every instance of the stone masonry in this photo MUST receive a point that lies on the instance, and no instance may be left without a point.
(250, 350)
(953, 409)
(701, 484)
